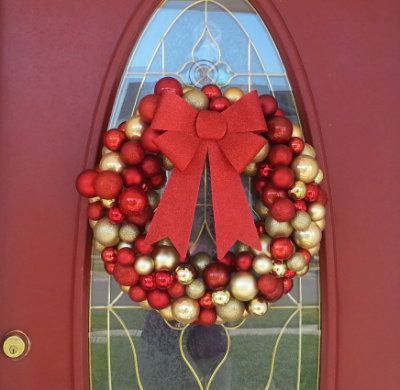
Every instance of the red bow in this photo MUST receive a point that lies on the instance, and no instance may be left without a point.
(230, 143)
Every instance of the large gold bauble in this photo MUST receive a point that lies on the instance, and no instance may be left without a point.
(251, 169)
(279, 269)
(243, 286)
(301, 220)
(197, 99)
(196, 289)
(166, 313)
(111, 162)
(167, 163)
(98, 247)
(92, 223)
(308, 151)
(297, 132)
(277, 229)
(298, 191)
(233, 94)
(321, 223)
(265, 242)
(308, 238)
(185, 310)
(165, 257)
(144, 265)
(262, 264)
(262, 154)
(305, 168)
(106, 233)
(200, 261)
(297, 262)
(261, 209)
(220, 297)
(317, 211)
(153, 198)
(165, 241)
(128, 232)
(232, 311)
(134, 127)
(320, 177)
(123, 244)
(258, 306)
(185, 273)
(303, 271)
(315, 249)
(145, 304)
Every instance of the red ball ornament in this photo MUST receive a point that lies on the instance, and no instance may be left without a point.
(114, 139)
(280, 129)
(283, 210)
(300, 205)
(133, 201)
(132, 153)
(268, 104)
(133, 176)
(279, 112)
(271, 194)
(276, 294)
(115, 215)
(141, 247)
(259, 185)
(322, 197)
(267, 284)
(125, 275)
(85, 183)
(212, 91)
(125, 256)
(168, 85)
(306, 254)
(312, 192)
(282, 177)
(109, 254)
(108, 184)
(148, 106)
(220, 103)
(142, 218)
(147, 140)
(228, 259)
(158, 299)
(290, 274)
(121, 126)
(287, 285)
(176, 290)
(244, 261)
(137, 294)
(260, 225)
(206, 301)
(151, 165)
(164, 279)
(147, 282)
(296, 144)
(95, 211)
(109, 267)
(264, 169)
(216, 275)
(282, 248)
(207, 317)
(158, 181)
(280, 155)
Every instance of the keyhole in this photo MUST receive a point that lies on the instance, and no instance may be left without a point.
(13, 349)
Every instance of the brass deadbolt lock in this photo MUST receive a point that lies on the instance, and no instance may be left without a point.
(16, 345)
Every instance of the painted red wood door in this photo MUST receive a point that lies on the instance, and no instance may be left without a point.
(62, 62)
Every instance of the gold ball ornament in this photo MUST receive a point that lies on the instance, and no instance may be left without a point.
(165, 241)
(279, 269)
(111, 162)
(106, 233)
(219, 320)
(145, 305)
(297, 132)
(167, 163)
(243, 286)
(261, 209)
(321, 223)
(187, 88)
(262, 154)
(144, 265)
(233, 94)
(134, 127)
(301, 220)
(320, 177)
(317, 211)
(251, 169)
(153, 198)
(128, 232)
(305, 168)
(125, 289)
(303, 271)
(98, 247)
(165, 257)
(298, 191)
(258, 307)
(232, 311)
(123, 244)
(314, 250)
(185, 273)
(297, 262)
(200, 261)
(196, 289)
(105, 150)
(220, 297)
(309, 151)
(197, 99)
(308, 238)
(242, 247)
(166, 313)
(185, 310)
(262, 264)
(92, 223)
(265, 242)
(277, 229)
(94, 199)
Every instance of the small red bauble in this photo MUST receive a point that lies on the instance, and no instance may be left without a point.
(133, 176)
(126, 256)
(271, 194)
(85, 183)
(121, 126)
(228, 259)
(141, 247)
(158, 299)
(147, 282)
(276, 294)
(207, 317)
(95, 211)
(312, 192)
(211, 90)
(168, 85)
(287, 285)
(264, 169)
(267, 284)
(279, 129)
(244, 261)
(279, 112)
(282, 177)
(132, 153)
(114, 139)
(306, 254)
(157, 181)
(260, 225)
(216, 275)
(109, 254)
(206, 301)
(115, 215)
(283, 210)
(125, 275)
(259, 185)
(282, 248)
(268, 104)
(109, 267)
(151, 165)
(322, 197)
(164, 279)
(142, 218)
(300, 205)
(133, 201)
(147, 140)
(148, 106)
(280, 155)
(296, 144)
(137, 294)
(176, 290)
(290, 274)
(108, 184)
(219, 104)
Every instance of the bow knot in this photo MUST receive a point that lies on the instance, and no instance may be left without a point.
(211, 125)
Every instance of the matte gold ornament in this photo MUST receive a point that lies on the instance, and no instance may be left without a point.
(233, 94)
(196, 289)
(128, 232)
(167, 163)
(125, 289)
(105, 150)
(297, 132)
(308, 238)
(92, 223)
(251, 169)
(145, 305)
(303, 271)
(200, 261)
(298, 191)
(165, 257)
(134, 127)
(317, 211)
(98, 247)
(144, 265)
(308, 151)
(262, 264)
(314, 250)
(185, 274)
(94, 199)
(185, 310)
(187, 88)
(106, 233)
(265, 242)
(279, 269)
(258, 306)
(321, 223)
(232, 311)
(108, 203)
(166, 313)
(221, 297)
(261, 209)
(320, 177)
(243, 286)
(165, 241)
(277, 229)
(111, 162)
(153, 198)
(197, 99)
(297, 262)
(262, 154)
(305, 168)
(301, 220)
(123, 244)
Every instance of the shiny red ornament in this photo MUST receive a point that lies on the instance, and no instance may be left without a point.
(219, 104)
(280, 155)
(306, 254)
(264, 169)
(206, 301)
(115, 214)
(260, 225)
(269, 104)
(142, 218)
(271, 194)
(147, 140)
(133, 176)
(283, 210)
(151, 165)
(125, 256)
(109, 267)
(207, 317)
(276, 294)
(216, 275)
(296, 144)
(157, 181)
(212, 91)
(85, 183)
(113, 139)
(267, 284)
(300, 205)
(322, 197)
(121, 126)
(108, 184)
(228, 259)
(132, 153)
(147, 282)
(176, 290)
(142, 247)
(95, 211)
(168, 85)
(259, 185)
(137, 294)
(109, 254)
(244, 261)
(158, 299)
(287, 285)
(282, 177)
(164, 279)
(133, 201)
(280, 129)
(282, 248)
(312, 192)
(279, 112)
(290, 274)
(148, 107)
(125, 275)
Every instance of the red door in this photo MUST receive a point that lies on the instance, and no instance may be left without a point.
(62, 63)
